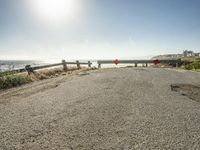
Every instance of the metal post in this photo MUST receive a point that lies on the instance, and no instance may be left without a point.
(64, 65)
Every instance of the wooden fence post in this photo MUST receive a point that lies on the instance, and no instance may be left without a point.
(78, 64)
(99, 65)
(89, 64)
(135, 64)
(29, 69)
(64, 65)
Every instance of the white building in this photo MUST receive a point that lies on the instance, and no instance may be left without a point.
(187, 53)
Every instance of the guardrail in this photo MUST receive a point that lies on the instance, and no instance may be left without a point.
(30, 69)
(173, 62)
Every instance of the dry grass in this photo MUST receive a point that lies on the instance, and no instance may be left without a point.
(12, 79)
(51, 73)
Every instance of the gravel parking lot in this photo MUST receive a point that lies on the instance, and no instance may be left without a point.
(122, 108)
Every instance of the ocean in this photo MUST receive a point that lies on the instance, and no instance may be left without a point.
(7, 65)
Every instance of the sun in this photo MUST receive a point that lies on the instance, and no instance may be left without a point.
(54, 10)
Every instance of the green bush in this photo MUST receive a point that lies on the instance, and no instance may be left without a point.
(9, 81)
(195, 65)
(2, 74)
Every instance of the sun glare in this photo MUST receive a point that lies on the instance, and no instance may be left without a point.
(54, 10)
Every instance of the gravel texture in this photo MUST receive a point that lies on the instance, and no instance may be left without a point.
(124, 108)
(189, 90)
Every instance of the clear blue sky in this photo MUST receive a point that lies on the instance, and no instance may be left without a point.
(100, 29)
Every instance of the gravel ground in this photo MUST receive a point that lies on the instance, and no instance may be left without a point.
(124, 108)
(189, 90)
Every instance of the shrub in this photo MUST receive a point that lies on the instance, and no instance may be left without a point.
(10, 81)
(2, 74)
(193, 65)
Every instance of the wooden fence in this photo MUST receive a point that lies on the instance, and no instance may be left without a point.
(64, 63)
(173, 62)
(30, 69)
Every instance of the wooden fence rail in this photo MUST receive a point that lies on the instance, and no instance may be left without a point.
(174, 62)
(30, 69)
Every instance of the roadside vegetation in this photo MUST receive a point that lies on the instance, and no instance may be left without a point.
(11, 79)
(193, 64)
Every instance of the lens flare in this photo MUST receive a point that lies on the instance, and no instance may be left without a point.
(53, 10)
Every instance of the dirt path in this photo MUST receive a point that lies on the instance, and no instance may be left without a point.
(123, 108)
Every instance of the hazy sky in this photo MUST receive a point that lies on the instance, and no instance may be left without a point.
(92, 29)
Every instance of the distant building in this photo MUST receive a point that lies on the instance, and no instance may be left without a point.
(168, 56)
(187, 53)
(197, 54)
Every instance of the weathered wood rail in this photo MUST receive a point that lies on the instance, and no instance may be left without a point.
(173, 62)
(30, 69)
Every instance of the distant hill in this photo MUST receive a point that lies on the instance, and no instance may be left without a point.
(168, 56)
(187, 54)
